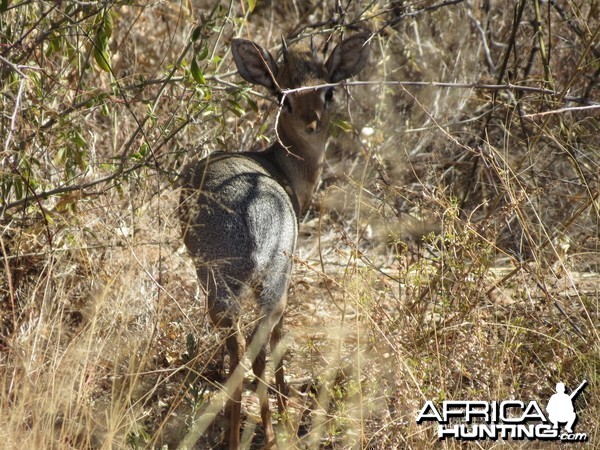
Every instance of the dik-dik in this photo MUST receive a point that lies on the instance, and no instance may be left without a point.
(240, 211)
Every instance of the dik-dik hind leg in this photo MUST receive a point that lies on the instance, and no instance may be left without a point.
(235, 347)
(277, 354)
(259, 343)
(263, 332)
(223, 312)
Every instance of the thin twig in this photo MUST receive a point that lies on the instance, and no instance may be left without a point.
(486, 47)
(12, 66)
(441, 84)
(563, 110)
(13, 118)
(418, 12)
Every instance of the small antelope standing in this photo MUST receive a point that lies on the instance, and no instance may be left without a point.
(240, 211)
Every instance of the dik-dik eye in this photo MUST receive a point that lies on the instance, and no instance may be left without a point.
(328, 95)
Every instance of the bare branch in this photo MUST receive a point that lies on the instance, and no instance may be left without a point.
(489, 87)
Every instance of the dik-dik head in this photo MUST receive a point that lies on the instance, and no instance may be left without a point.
(305, 114)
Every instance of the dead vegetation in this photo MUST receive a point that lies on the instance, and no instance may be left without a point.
(451, 253)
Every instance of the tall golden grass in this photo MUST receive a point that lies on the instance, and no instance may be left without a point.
(451, 252)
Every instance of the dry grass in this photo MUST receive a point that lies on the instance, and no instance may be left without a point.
(452, 252)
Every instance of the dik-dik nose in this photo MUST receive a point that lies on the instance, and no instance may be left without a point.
(316, 124)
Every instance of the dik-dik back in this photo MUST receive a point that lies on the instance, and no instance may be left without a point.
(239, 211)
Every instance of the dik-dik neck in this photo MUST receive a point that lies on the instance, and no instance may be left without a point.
(299, 157)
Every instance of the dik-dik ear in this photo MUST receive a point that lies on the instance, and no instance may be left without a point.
(348, 58)
(255, 64)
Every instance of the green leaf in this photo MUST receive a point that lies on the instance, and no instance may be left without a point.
(142, 153)
(102, 58)
(78, 140)
(196, 32)
(252, 104)
(197, 73)
(251, 5)
(53, 44)
(103, 34)
(342, 124)
(107, 24)
(19, 188)
(203, 54)
(236, 108)
(61, 156)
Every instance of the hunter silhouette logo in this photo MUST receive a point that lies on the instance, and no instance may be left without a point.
(560, 407)
(508, 419)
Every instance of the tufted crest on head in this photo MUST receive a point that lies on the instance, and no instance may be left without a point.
(301, 67)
